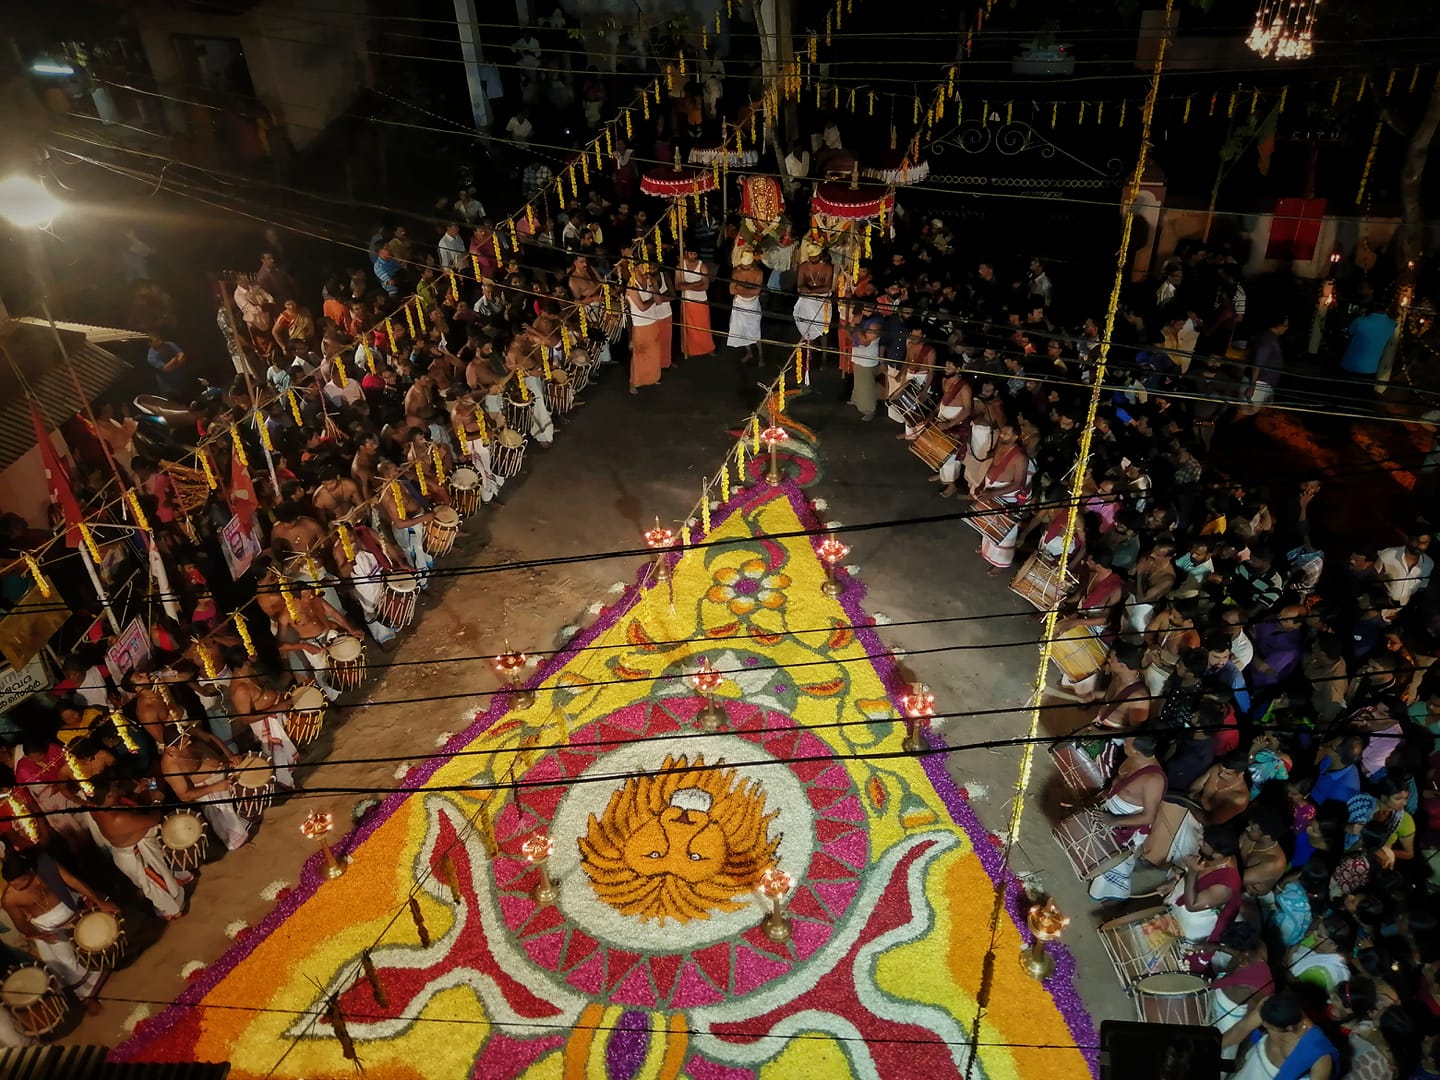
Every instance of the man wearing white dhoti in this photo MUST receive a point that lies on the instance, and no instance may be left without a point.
(43, 899)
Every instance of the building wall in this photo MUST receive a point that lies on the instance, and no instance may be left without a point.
(23, 489)
(306, 58)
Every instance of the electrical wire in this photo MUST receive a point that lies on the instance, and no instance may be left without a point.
(1176, 394)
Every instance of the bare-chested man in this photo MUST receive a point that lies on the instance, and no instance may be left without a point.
(746, 281)
(362, 468)
(125, 822)
(42, 899)
(306, 626)
(406, 514)
(196, 766)
(264, 709)
(584, 283)
(815, 282)
(336, 495)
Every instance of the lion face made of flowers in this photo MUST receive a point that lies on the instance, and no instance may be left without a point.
(681, 843)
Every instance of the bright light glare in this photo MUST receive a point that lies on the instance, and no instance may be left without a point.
(52, 67)
(25, 202)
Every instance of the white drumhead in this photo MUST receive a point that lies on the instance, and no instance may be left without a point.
(447, 515)
(254, 772)
(96, 930)
(181, 829)
(345, 648)
(25, 986)
(1169, 983)
(560, 378)
(511, 437)
(463, 479)
(307, 698)
(402, 582)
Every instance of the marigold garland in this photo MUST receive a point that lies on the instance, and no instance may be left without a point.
(132, 500)
(239, 445)
(39, 578)
(243, 629)
(89, 538)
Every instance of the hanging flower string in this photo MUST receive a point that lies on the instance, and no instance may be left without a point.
(36, 575)
(126, 730)
(87, 535)
(399, 498)
(439, 461)
(22, 817)
(132, 500)
(207, 662)
(239, 445)
(209, 470)
(82, 778)
(291, 607)
(294, 400)
(243, 629)
(347, 541)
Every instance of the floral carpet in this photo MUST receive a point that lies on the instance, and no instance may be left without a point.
(652, 963)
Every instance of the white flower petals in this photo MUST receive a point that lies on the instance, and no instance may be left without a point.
(234, 929)
(137, 1015)
(270, 893)
(403, 769)
(191, 968)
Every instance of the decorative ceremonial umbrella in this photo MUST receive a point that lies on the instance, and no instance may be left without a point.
(852, 201)
(677, 183)
(894, 168)
(708, 153)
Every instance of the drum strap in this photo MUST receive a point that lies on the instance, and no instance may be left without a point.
(1125, 781)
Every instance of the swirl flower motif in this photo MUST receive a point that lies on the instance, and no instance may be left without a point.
(749, 588)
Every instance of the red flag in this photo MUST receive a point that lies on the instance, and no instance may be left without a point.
(58, 479)
(242, 493)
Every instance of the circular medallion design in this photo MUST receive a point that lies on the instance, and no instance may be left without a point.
(658, 860)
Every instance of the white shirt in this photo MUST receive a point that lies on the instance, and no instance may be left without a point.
(866, 356)
(1242, 651)
(520, 129)
(452, 252)
(470, 212)
(797, 167)
(1402, 581)
(685, 277)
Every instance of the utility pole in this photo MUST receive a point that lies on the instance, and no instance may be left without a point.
(469, 26)
(773, 21)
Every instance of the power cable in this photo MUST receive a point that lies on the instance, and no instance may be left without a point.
(1177, 394)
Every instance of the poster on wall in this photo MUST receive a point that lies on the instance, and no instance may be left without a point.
(17, 685)
(240, 545)
(130, 649)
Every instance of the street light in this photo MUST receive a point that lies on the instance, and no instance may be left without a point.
(25, 202)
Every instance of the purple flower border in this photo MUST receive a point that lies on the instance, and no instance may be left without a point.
(1061, 985)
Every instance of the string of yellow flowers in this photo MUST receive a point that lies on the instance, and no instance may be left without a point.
(243, 629)
(36, 575)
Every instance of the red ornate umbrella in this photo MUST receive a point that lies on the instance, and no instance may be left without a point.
(852, 201)
(677, 182)
(893, 167)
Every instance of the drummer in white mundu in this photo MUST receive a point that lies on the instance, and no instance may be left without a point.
(1131, 802)
(264, 709)
(125, 823)
(406, 512)
(42, 900)
(196, 766)
(306, 626)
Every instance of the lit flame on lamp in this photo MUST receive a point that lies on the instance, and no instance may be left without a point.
(537, 851)
(1046, 923)
(317, 826)
(832, 552)
(706, 681)
(919, 706)
(775, 884)
(773, 436)
(509, 665)
(660, 540)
